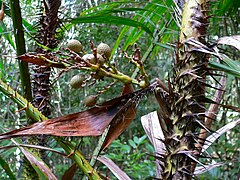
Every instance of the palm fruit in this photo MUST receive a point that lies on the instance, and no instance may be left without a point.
(104, 50)
(90, 101)
(77, 81)
(74, 45)
(143, 84)
(91, 58)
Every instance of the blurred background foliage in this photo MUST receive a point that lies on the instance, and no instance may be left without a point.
(96, 20)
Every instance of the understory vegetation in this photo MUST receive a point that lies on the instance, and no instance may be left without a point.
(178, 61)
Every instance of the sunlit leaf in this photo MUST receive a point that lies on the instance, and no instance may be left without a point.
(117, 10)
(28, 27)
(154, 17)
(132, 143)
(106, 7)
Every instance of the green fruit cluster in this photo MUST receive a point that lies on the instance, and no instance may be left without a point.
(78, 81)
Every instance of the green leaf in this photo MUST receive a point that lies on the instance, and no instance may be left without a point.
(116, 144)
(228, 6)
(141, 139)
(28, 27)
(118, 10)
(112, 20)
(165, 46)
(226, 69)
(132, 143)
(6, 34)
(135, 34)
(150, 148)
(231, 63)
(155, 15)
(126, 148)
(7, 169)
(106, 6)
(136, 139)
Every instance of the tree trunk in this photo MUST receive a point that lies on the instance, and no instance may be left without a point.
(49, 22)
(186, 98)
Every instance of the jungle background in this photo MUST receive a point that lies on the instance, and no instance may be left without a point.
(132, 151)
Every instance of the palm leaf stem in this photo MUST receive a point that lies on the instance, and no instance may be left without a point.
(20, 47)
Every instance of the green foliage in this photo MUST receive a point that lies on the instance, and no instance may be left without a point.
(134, 155)
(229, 66)
(6, 167)
(110, 20)
(128, 22)
(4, 31)
(229, 6)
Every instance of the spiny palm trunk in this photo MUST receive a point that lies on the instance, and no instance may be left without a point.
(49, 22)
(186, 98)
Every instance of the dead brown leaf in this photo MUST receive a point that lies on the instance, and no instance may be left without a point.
(118, 113)
(91, 122)
(68, 175)
(41, 168)
(40, 59)
(87, 123)
(122, 120)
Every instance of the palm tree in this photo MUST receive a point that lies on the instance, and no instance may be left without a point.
(185, 109)
(182, 102)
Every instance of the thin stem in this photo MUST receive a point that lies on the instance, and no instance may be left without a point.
(20, 47)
